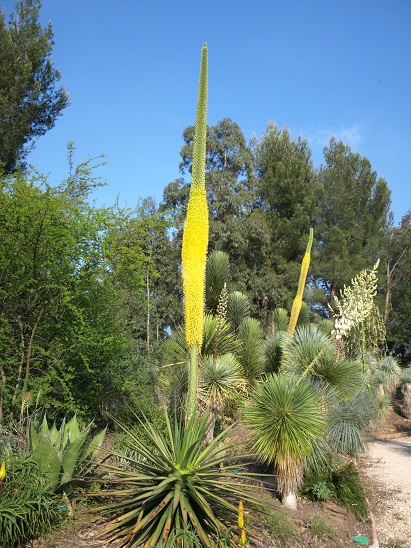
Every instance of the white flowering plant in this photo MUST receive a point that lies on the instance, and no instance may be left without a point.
(355, 303)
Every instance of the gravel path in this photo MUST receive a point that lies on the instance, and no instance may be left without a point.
(389, 466)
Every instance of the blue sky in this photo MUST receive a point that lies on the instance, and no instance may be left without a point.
(321, 68)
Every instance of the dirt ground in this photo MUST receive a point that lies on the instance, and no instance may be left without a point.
(386, 469)
(388, 466)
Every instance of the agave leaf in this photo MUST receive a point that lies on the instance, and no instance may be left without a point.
(197, 525)
(73, 429)
(46, 456)
(154, 512)
(55, 436)
(160, 530)
(44, 429)
(70, 458)
(91, 450)
(33, 438)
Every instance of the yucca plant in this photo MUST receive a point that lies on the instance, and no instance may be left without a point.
(405, 385)
(217, 276)
(238, 309)
(280, 318)
(311, 352)
(348, 420)
(221, 382)
(176, 483)
(286, 419)
(252, 352)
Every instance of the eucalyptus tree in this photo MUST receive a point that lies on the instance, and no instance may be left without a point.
(237, 227)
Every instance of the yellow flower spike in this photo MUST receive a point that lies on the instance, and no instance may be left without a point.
(3, 471)
(298, 301)
(243, 536)
(241, 514)
(194, 253)
(195, 238)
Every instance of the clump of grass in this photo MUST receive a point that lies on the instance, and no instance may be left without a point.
(279, 527)
(397, 543)
(342, 484)
(320, 528)
(349, 491)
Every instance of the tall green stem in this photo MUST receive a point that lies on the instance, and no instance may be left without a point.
(192, 382)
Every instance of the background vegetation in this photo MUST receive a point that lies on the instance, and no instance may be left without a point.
(92, 297)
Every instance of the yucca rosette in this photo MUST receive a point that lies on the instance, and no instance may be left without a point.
(195, 236)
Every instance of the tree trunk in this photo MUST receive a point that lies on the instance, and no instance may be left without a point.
(407, 401)
(289, 500)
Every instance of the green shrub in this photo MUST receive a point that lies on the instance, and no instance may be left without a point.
(27, 506)
(317, 486)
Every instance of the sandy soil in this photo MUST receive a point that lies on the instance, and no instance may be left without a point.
(388, 465)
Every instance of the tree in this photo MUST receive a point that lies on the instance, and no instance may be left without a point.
(398, 302)
(30, 102)
(354, 217)
(68, 329)
(288, 193)
(229, 181)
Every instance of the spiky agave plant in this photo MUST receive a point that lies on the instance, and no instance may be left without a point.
(175, 483)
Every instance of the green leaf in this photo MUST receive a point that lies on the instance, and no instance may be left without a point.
(71, 457)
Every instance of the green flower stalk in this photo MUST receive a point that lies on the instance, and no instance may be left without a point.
(298, 301)
(195, 238)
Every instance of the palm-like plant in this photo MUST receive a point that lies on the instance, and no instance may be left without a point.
(217, 276)
(273, 349)
(217, 337)
(281, 319)
(311, 352)
(221, 381)
(252, 355)
(285, 418)
(347, 423)
(388, 365)
(176, 483)
(238, 309)
(405, 383)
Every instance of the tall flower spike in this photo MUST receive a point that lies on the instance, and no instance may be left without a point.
(298, 301)
(195, 236)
